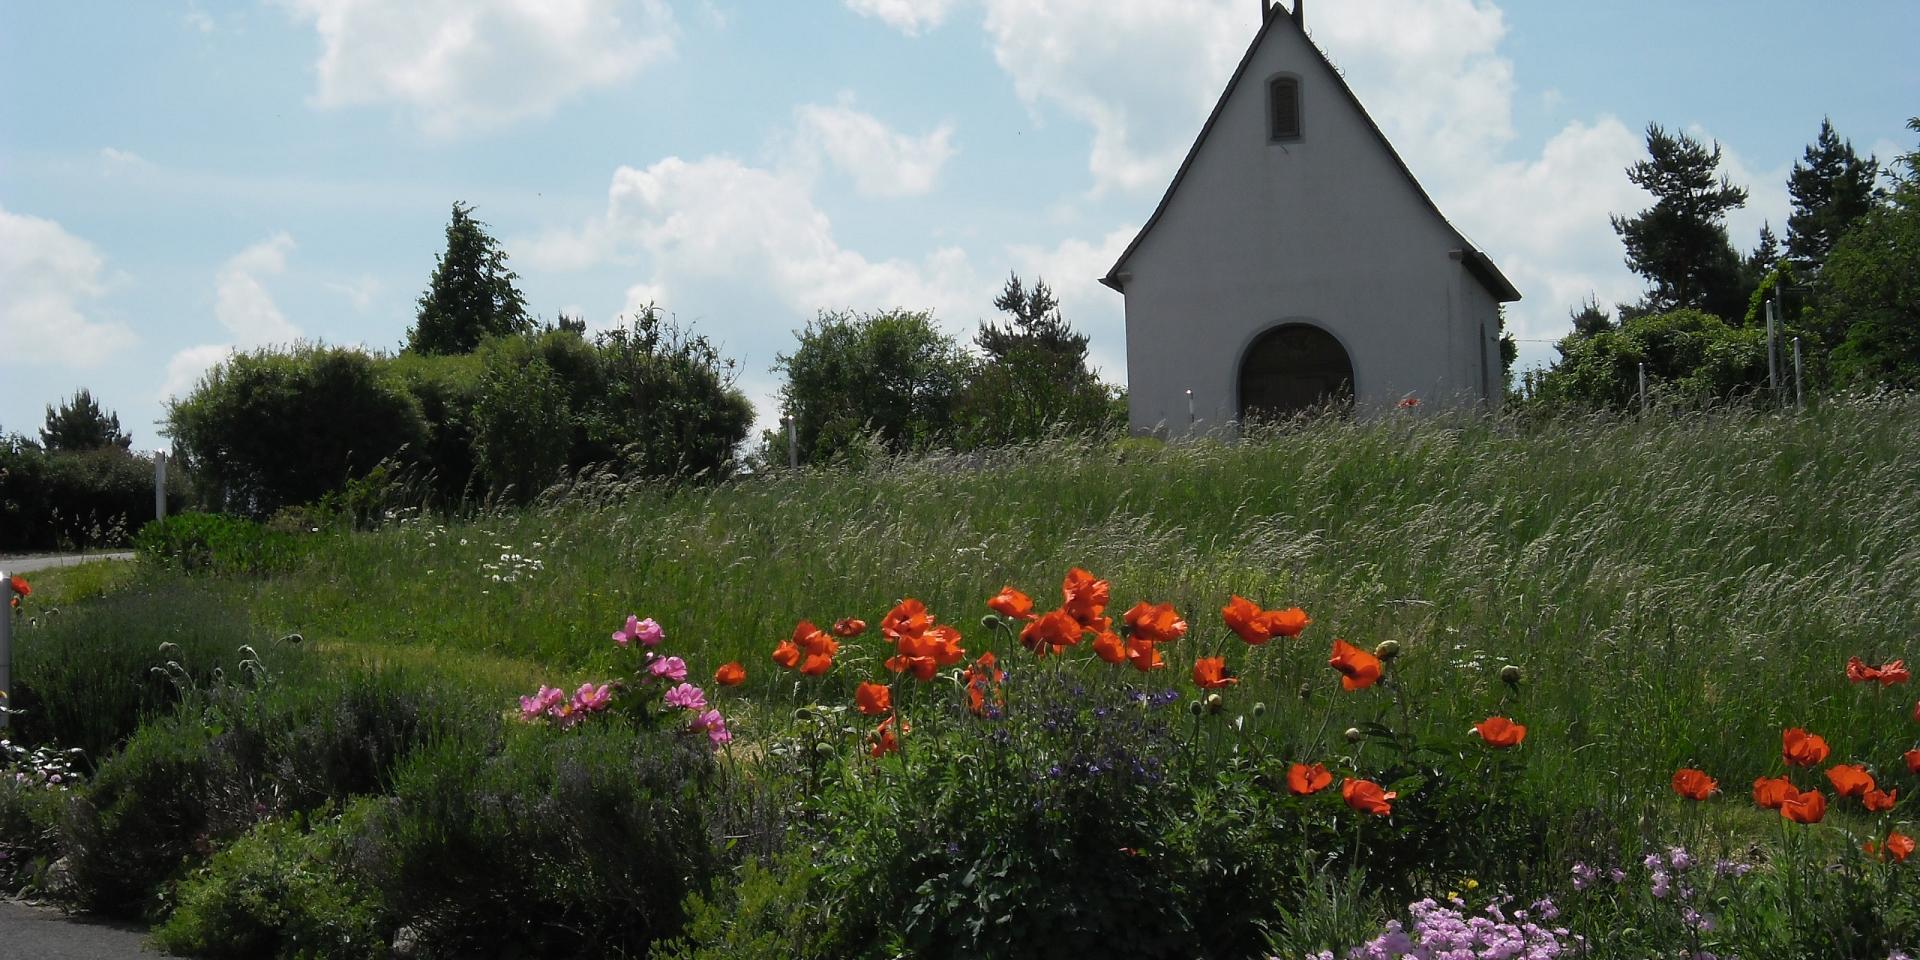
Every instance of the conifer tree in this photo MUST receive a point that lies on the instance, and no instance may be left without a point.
(1034, 323)
(80, 424)
(1680, 243)
(1831, 189)
(471, 296)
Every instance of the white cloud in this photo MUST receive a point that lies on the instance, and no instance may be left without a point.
(908, 16)
(1073, 269)
(185, 368)
(881, 162)
(47, 278)
(360, 291)
(467, 65)
(243, 305)
(197, 18)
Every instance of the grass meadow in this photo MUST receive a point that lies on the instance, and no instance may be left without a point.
(1675, 592)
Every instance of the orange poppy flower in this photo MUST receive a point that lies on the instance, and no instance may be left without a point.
(1085, 596)
(1305, 781)
(1051, 633)
(1888, 674)
(730, 674)
(1913, 761)
(1879, 801)
(1771, 792)
(1899, 846)
(1499, 732)
(908, 618)
(1367, 797)
(873, 699)
(981, 679)
(1894, 672)
(849, 627)
(1158, 623)
(1144, 656)
(1694, 784)
(815, 641)
(1802, 749)
(883, 741)
(1211, 673)
(1245, 618)
(787, 654)
(1358, 668)
(1850, 780)
(1288, 622)
(816, 664)
(1109, 647)
(20, 585)
(1809, 807)
(1012, 604)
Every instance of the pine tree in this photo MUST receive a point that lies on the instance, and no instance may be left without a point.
(80, 424)
(472, 296)
(1680, 244)
(1831, 188)
(1036, 324)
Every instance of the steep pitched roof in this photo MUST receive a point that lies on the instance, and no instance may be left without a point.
(1477, 263)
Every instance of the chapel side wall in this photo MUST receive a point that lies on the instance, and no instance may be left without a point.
(1326, 229)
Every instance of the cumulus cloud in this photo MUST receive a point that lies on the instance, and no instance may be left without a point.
(1073, 269)
(908, 16)
(466, 65)
(880, 161)
(49, 279)
(244, 306)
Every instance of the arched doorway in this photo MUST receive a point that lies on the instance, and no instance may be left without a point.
(1293, 368)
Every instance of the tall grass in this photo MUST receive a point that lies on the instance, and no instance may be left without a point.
(1676, 590)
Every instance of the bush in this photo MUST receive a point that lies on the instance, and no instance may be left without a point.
(521, 424)
(214, 543)
(147, 811)
(76, 499)
(891, 374)
(267, 430)
(1690, 356)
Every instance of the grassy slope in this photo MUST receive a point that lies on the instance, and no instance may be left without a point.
(1677, 591)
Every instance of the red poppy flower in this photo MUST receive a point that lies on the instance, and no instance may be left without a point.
(1694, 784)
(1305, 781)
(1850, 780)
(1809, 807)
(1771, 792)
(1367, 797)
(20, 585)
(1158, 623)
(1803, 749)
(1894, 671)
(1879, 801)
(1859, 672)
(1899, 846)
(1888, 674)
(1358, 668)
(1109, 647)
(873, 699)
(1085, 597)
(849, 627)
(1913, 761)
(926, 652)
(908, 618)
(1500, 732)
(730, 674)
(816, 664)
(1012, 604)
(1245, 618)
(981, 680)
(883, 741)
(1211, 673)
(1144, 656)
(1288, 622)
(787, 654)
(1051, 633)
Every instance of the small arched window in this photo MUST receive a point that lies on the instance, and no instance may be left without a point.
(1283, 99)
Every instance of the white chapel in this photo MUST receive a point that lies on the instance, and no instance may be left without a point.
(1295, 261)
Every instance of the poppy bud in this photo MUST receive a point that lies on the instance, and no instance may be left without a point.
(1510, 675)
(989, 622)
(1214, 703)
(1196, 708)
(823, 748)
(292, 638)
(1354, 735)
(1306, 693)
(1387, 650)
(1259, 710)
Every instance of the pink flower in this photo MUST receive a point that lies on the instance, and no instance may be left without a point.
(671, 668)
(543, 703)
(687, 697)
(589, 699)
(645, 632)
(715, 725)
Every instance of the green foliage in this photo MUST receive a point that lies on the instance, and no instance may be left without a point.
(1870, 288)
(770, 912)
(665, 405)
(218, 544)
(446, 388)
(1831, 188)
(1033, 379)
(267, 430)
(521, 423)
(471, 296)
(1034, 324)
(891, 375)
(80, 424)
(136, 824)
(1680, 243)
(76, 500)
(1691, 357)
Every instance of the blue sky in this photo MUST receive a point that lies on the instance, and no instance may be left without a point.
(181, 178)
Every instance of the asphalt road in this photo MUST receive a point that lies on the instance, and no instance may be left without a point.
(30, 564)
(45, 934)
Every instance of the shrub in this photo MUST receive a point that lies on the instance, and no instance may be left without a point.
(145, 813)
(893, 374)
(215, 543)
(1690, 356)
(76, 499)
(521, 423)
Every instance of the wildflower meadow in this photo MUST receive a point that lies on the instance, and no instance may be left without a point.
(1410, 687)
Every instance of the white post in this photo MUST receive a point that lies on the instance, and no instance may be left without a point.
(1773, 364)
(1643, 388)
(6, 647)
(1190, 410)
(793, 443)
(1799, 399)
(159, 484)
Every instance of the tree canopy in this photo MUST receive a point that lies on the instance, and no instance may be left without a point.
(1680, 244)
(80, 424)
(1831, 189)
(471, 296)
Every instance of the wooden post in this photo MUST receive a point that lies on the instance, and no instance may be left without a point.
(1189, 409)
(1799, 399)
(1643, 388)
(1773, 363)
(793, 443)
(160, 485)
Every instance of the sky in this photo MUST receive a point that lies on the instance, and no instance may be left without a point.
(182, 179)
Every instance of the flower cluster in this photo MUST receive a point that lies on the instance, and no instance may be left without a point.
(41, 766)
(811, 650)
(1448, 930)
(554, 705)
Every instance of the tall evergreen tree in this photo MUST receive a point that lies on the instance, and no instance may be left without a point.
(1680, 243)
(1831, 188)
(1034, 323)
(80, 424)
(472, 296)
